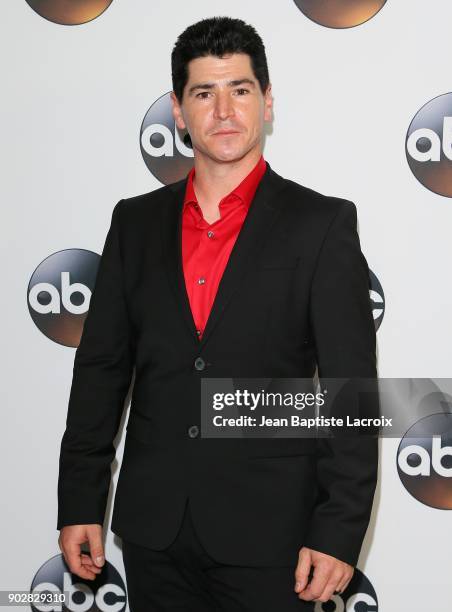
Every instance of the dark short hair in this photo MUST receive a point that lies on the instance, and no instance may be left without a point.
(217, 36)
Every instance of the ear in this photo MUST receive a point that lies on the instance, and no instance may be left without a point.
(268, 103)
(177, 112)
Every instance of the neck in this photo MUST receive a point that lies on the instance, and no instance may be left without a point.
(214, 180)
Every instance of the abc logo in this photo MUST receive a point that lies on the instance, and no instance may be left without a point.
(106, 593)
(166, 151)
(377, 299)
(69, 12)
(429, 145)
(340, 13)
(59, 294)
(424, 460)
(359, 596)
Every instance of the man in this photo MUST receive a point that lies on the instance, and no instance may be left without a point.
(231, 272)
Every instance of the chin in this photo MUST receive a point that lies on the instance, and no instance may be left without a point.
(229, 155)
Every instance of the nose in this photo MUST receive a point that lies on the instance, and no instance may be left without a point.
(223, 105)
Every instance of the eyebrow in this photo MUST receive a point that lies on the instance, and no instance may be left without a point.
(234, 83)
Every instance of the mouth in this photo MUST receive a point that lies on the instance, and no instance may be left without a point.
(225, 133)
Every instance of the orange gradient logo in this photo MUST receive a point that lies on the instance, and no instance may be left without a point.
(340, 13)
(59, 294)
(424, 461)
(69, 12)
(428, 145)
(166, 151)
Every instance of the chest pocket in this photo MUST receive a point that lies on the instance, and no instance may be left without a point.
(279, 447)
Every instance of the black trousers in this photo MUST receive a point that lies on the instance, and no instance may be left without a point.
(184, 578)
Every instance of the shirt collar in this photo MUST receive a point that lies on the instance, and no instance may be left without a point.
(244, 191)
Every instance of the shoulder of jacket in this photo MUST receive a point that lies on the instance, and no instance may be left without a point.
(145, 201)
(315, 201)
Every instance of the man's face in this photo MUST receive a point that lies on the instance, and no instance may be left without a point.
(223, 107)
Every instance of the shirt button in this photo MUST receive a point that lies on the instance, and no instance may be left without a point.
(193, 431)
(198, 331)
(200, 364)
(201, 280)
(210, 234)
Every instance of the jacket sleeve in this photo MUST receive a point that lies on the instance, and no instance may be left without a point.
(102, 374)
(345, 338)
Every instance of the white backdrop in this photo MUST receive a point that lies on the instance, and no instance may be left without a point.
(73, 99)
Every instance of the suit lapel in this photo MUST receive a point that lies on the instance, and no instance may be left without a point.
(261, 216)
(172, 252)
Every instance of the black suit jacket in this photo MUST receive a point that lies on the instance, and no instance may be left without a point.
(294, 295)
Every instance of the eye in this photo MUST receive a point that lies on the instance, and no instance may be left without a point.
(202, 95)
(242, 89)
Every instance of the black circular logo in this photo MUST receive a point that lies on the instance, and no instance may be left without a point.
(106, 593)
(69, 12)
(424, 460)
(359, 596)
(428, 145)
(59, 294)
(340, 13)
(167, 151)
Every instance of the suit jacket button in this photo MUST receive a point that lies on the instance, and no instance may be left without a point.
(193, 431)
(200, 364)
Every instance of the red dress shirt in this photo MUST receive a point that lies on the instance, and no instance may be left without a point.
(206, 246)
